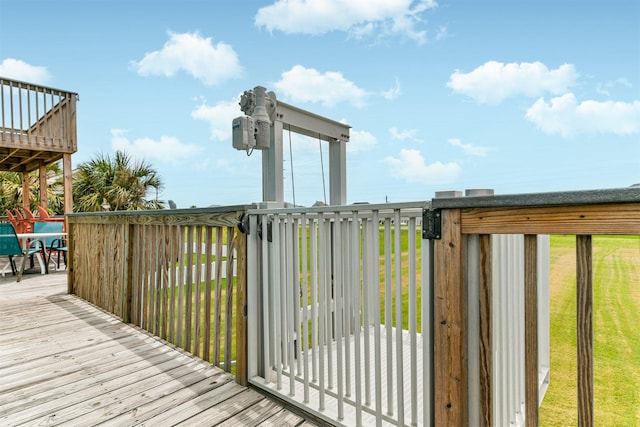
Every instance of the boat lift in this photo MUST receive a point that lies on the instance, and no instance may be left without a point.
(261, 129)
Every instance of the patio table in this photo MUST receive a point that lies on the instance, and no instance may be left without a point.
(25, 238)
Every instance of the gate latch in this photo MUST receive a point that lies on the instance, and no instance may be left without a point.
(431, 224)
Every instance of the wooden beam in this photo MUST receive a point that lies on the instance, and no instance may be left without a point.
(486, 325)
(450, 352)
(622, 218)
(584, 279)
(531, 329)
(44, 186)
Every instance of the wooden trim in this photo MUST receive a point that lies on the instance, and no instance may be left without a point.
(585, 219)
(486, 332)
(531, 329)
(584, 278)
(450, 307)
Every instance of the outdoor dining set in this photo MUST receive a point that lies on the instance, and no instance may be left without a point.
(30, 236)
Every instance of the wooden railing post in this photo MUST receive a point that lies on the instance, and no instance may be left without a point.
(241, 311)
(70, 256)
(486, 331)
(450, 351)
(584, 279)
(126, 279)
(531, 329)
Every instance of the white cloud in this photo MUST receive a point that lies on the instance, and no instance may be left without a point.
(411, 167)
(301, 84)
(360, 18)
(218, 164)
(493, 82)
(565, 116)
(167, 149)
(472, 150)
(604, 88)
(20, 70)
(402, 135)
(393, 92)
(219, 117)
(194, 54)
(442, 33)
(360, 141)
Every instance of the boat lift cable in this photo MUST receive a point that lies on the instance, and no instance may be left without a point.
(324, 187)
(293, 185)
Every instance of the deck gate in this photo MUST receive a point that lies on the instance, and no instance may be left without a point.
(340, 308)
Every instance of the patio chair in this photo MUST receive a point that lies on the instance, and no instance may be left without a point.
(42, 213)
(15, 221)
(29, 215)
(52, 245)
(10, 246)
(11, 218)
(25, 225)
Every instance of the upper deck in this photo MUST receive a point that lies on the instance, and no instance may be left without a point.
(37, 125)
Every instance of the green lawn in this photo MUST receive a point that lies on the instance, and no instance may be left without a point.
(616, 266)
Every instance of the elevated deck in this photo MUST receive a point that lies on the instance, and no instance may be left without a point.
(66, 362)
(37, 125)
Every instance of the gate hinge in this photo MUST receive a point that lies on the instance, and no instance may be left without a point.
(431, 224)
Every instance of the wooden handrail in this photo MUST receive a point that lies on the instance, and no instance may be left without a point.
(582, 213)
(156, 269)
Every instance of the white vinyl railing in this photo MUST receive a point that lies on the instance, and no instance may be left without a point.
(508, 327)
(340, 314)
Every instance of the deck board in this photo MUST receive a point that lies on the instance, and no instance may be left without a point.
(66, 362)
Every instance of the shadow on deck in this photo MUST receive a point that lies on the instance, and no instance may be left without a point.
(66, 362)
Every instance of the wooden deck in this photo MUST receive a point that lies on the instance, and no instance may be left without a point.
(65, 362)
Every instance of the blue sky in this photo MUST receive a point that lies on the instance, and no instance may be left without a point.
(516, 95)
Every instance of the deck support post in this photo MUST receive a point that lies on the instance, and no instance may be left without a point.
(26, 191)
(450, 330)
(584, 278)
(42, 176)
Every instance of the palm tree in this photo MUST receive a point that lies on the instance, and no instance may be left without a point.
(11, 189)
(119, 183)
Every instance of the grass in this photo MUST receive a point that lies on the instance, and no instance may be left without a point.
(616, 314)
(198, 292)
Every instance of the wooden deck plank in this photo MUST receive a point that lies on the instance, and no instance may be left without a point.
(97, 394)
(283, 418)
(159, 404)
(254, 415)
(192, 407)
(66, 362)
(60, 386)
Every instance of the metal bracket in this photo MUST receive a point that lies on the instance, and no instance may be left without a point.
(431, 224)
(243, 223)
